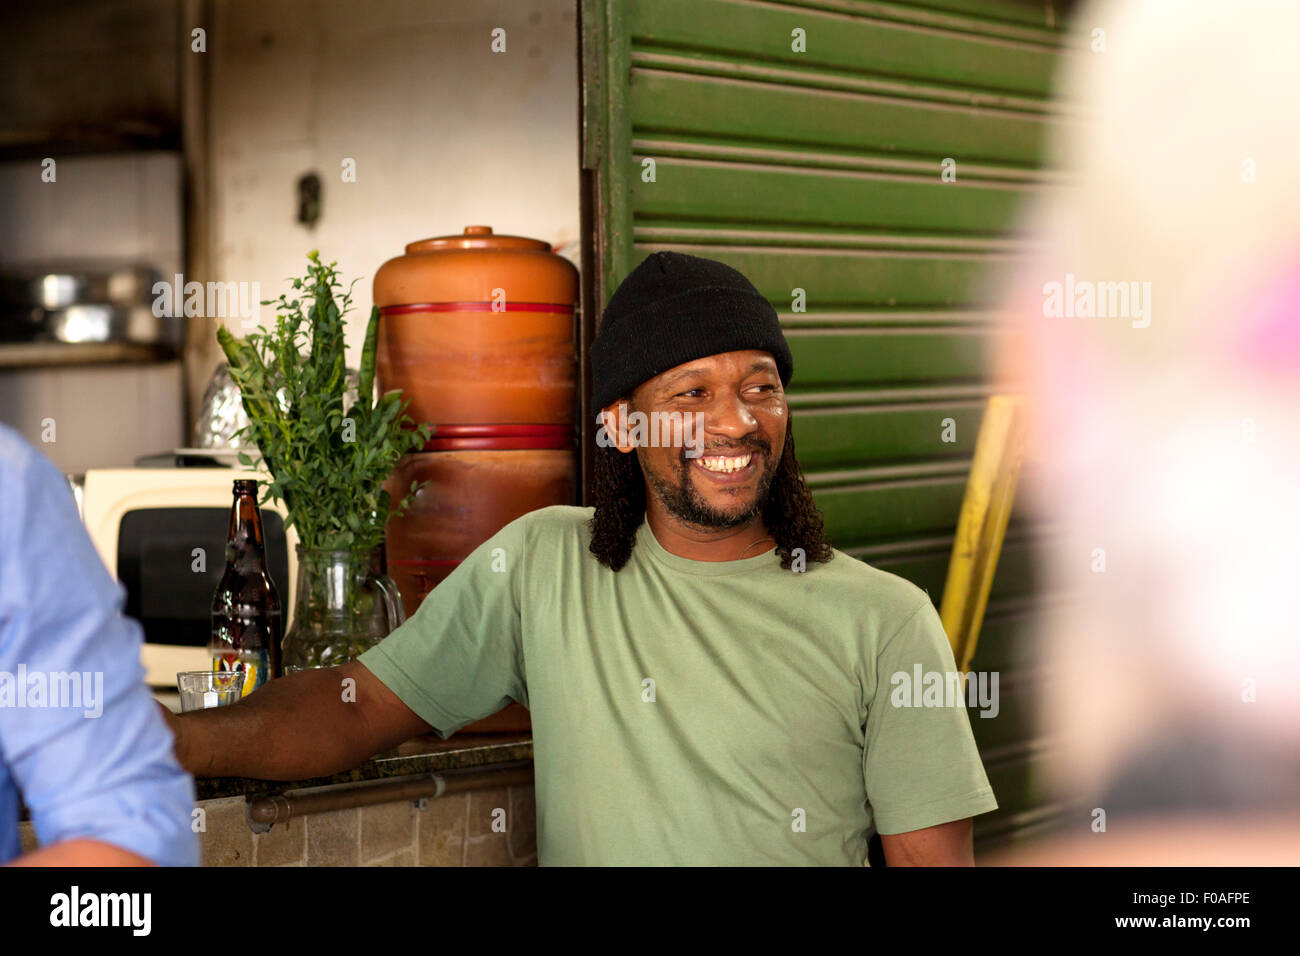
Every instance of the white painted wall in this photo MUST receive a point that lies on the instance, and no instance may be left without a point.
(123, 207)
(445, 133)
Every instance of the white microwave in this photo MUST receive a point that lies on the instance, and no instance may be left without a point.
(162, 533)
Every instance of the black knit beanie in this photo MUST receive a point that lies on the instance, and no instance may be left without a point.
(673, 308)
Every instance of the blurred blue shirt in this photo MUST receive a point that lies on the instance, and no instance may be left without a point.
(91, 755)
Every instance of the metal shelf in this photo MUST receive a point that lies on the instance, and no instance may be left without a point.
(47, 354)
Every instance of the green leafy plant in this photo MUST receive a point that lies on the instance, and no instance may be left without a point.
(327, 463)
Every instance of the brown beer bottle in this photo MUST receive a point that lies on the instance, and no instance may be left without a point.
(246, 628)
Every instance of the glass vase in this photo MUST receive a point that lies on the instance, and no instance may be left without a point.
(345, 605)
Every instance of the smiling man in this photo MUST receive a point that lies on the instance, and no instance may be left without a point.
(710, 681)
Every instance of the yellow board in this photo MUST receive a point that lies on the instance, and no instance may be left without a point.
(985, 510)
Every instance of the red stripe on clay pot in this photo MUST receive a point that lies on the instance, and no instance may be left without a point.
(501, 437)
(556, 308)
(496, 430)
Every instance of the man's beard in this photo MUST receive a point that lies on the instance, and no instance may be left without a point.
(685, 503)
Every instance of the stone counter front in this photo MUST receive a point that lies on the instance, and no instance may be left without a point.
(487, 826)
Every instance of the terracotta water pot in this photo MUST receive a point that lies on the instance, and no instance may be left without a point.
(479, 329)
(479, 479)
(473, 486)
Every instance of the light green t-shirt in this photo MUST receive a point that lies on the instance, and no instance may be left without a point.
(694, 712)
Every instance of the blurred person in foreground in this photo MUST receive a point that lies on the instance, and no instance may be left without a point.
(80, 738)
(1165, 442)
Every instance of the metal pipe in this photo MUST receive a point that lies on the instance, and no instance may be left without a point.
(265, 811)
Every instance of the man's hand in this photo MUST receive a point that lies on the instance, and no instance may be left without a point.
(296, 727)
(948, 844)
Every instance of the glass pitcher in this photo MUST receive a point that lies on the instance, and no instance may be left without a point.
(345, 605)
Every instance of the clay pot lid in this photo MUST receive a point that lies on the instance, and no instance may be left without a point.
(472, 268)
(476, 237)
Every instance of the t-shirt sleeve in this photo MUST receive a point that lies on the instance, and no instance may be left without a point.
(459, 658)
(920, 764)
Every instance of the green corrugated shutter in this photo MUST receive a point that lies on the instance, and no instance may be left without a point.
(821, 171)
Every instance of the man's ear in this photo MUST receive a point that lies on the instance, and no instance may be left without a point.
(613, 427)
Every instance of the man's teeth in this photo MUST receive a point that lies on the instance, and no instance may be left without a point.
(719, 463)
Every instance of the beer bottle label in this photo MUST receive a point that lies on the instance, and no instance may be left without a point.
(254, 677)
(256, 666)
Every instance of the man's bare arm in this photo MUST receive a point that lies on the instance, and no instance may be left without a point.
(948, 844)
(296, 727)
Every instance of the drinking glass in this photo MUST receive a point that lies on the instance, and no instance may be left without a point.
(203, 689)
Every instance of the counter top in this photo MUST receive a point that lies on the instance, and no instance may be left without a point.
(427, 754)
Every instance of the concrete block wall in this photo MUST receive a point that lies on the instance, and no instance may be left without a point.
(456, 830)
